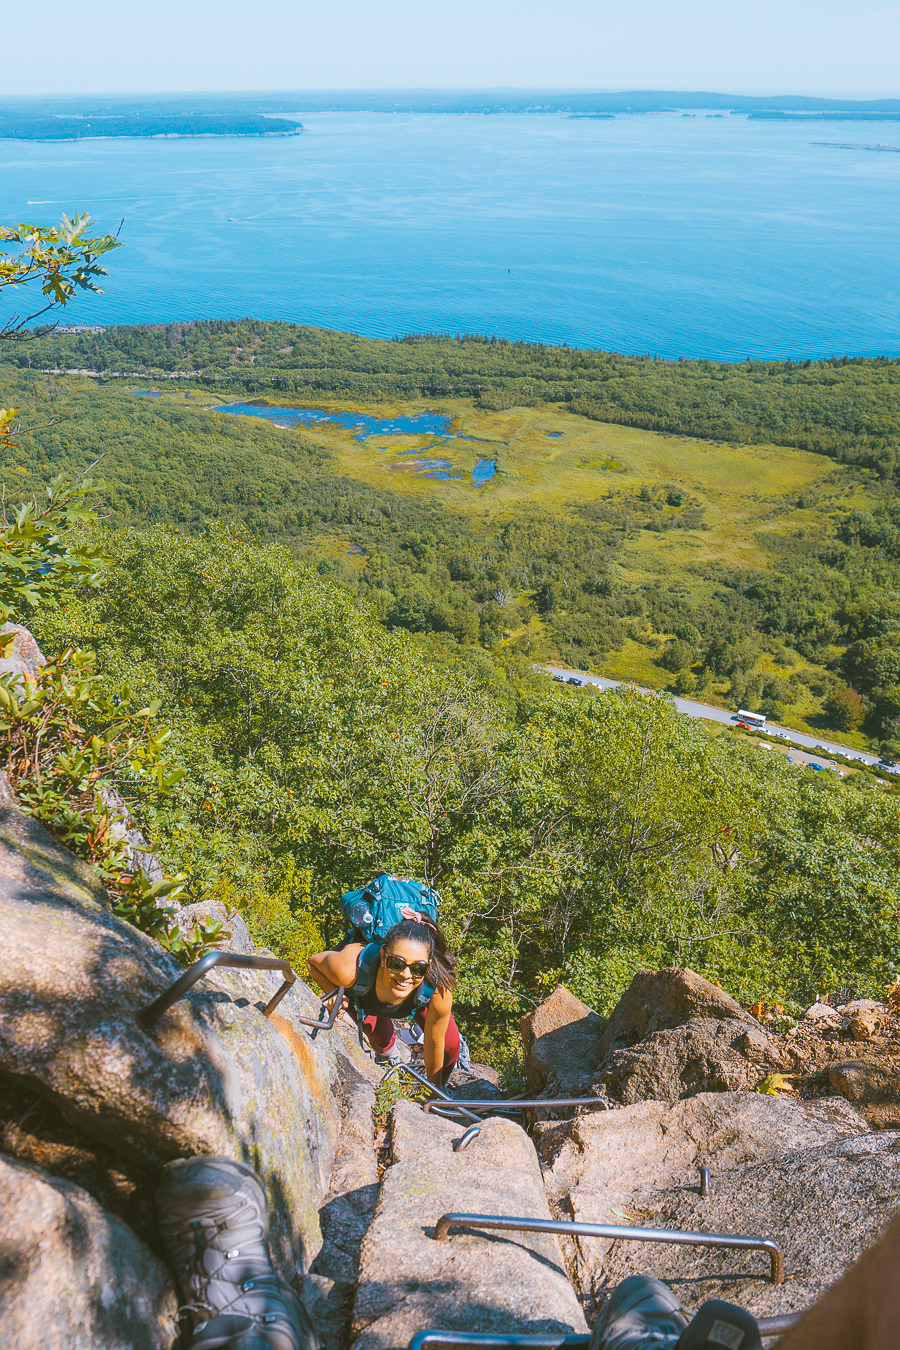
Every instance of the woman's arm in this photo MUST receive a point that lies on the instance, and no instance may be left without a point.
(437, 1019)
(330, 970)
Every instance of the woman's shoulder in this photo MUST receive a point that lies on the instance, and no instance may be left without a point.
(342, 964)
(441, 1001)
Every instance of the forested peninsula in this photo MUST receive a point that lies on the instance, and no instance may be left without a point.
(85, 126)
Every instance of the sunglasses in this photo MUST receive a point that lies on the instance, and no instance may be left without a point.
(417, 969)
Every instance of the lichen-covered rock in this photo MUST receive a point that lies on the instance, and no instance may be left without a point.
(329, 1289)
(501, 1282)
(612, 1167)
(23, 656)
(703, 1055)
(71, 1276)
(825, 1206)
(663, 999)
(213, 1076)
(561, 1040)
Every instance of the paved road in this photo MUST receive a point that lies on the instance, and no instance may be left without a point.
(710, 714)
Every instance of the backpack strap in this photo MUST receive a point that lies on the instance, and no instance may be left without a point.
(366, 971)
(423, 998)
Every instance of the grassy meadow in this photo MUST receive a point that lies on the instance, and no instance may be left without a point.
(740, 498)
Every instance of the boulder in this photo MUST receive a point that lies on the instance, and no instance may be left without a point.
(213, 1076)
(871, 1081)
(235, 938)
(479, 1082)
(33, 1131)
(73, 1277)
(345, 1217)
(824, 1206)
(23, 656)
(865, 1024)
(561, 1040)
(612, 1167)
(702, 1056)
(475, 1281)
(663, 999)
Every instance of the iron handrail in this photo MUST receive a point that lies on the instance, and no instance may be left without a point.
(438, 1092)
(513, 1104)
(150, 1015)
(620, 1232)
(458, 1340)
(489, 1340)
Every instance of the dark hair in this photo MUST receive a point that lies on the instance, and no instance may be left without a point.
(440, 958)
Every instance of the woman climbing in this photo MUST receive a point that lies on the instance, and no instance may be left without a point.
(409, 974)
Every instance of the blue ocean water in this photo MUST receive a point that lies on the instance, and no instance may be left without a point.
(683, 236)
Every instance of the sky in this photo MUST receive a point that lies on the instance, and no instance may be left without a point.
(836, 47)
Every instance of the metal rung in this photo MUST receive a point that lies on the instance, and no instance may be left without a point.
(458, 1340)
(149, 1016)
(438, 1092)
(513, 1104)
(619, 1232)
(461, 1340)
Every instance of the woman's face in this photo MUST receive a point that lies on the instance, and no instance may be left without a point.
(403, 982)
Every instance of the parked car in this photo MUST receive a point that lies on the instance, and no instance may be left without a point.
(573, 679)
(887, 763)
(560, 679)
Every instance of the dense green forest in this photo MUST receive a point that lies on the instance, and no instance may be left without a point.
(83, 127)
(809, 634)
(571, 838)
(846, 408)
(308, 671)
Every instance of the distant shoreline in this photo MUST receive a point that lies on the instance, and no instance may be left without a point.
(141, 126)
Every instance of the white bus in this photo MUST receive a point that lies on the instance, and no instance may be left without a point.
(754, 719)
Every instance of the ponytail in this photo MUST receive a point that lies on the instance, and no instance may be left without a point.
(442, 962)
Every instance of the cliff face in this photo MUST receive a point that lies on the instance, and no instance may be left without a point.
(93, 1106)
(112, 1102)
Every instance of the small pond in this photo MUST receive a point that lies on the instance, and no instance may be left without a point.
(433, 425)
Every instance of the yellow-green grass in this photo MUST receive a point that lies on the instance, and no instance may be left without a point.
(550, 459)
(742, 488)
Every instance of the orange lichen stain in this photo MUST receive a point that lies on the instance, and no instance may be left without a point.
(310, 1068)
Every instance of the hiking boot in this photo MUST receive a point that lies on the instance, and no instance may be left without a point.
(721, 1326)
(393, 1057)
(214, 1221)
(641, 1313)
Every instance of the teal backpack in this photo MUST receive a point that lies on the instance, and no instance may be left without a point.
(371, 912)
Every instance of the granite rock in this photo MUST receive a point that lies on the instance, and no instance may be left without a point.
(73, 1277)
(824, 1206)
(661, 1000)
(475, 1281)
(561, 1040)
(613, 1167)
(703, 1055)
(213, 1076)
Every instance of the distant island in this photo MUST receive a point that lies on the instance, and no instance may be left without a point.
(87, 126)
(853, 145)
(826, 115)
(277, 112)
